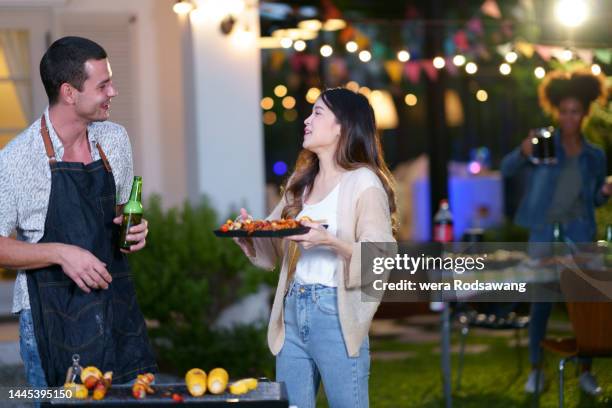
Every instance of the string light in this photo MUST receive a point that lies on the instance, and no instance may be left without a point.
(505, 68)
(595, 69)
(351, 46)
(403, 56)
(482, 95)
(312, 95)
(511, 57)
(471, 68)
(365, 91)
(290, 115)
(352, 86)
(410, 99)
(299, 45)
(539, 72)
(267, 103)
(269, 118)
(459, 60)
(182, 7)
(567, 55)
(365, 56)
(439, 62)
(286, 42)
(280, 90)
(571, 13)
(326, 50)
(288, 102)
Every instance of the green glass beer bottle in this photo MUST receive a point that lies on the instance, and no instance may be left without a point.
(132, 213)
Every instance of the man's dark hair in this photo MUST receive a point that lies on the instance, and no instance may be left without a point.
(64, 61)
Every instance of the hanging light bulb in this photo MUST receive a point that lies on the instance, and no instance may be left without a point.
(439, 62)
(403, 56)
(471, 68)
(365, 56)
(182, 7)
(511, 57)
(505, 68)
(595, 69)
(459, 60)
(326, 50)
(352, 46)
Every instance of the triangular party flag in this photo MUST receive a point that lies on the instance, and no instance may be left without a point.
(585, 55)
(558, 53)
(475, 25)
(413, 71)
(394, 69)
(338, 67)
(311, 62)
(362, 41)
(461, 40)
(347, 34)
(296, 61)
(544, 51)
(604, 55)
(451, 68)
(491, 9)
(330, 10)
(429, 69)
(503, 49)
(277, 58)
(524, 48)
(507, 28)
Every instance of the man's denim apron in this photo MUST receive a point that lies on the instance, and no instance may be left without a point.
(104, 327)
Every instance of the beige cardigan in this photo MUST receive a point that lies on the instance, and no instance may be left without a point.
(363, 216)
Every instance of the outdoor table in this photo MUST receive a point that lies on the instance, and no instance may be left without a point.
(266, 395)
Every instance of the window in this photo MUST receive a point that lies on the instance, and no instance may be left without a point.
(15, 84)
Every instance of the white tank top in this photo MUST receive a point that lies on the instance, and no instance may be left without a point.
(318, 264)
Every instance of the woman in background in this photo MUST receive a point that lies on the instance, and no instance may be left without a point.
(565, 193)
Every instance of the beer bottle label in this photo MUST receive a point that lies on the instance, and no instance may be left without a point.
(443, 232)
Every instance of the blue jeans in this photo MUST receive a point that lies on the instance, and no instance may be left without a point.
(538, 321)
(35, 375)
(314, 350)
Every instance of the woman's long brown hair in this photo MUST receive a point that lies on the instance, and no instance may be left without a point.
(358, 146)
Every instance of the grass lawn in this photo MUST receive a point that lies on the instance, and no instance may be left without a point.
(491, 376)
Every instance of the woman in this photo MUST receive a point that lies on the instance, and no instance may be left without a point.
(565, 193)
(319, 324)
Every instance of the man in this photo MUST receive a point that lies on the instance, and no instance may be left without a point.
(63, 182)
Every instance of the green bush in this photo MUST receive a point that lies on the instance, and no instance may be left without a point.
(185, 277)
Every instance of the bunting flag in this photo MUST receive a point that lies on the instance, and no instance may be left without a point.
(347, 34)
(277, 58)
(585, 55)
(338, 68)
(503, 49)
(312, 63)
(461, 41)
(305, 61)
(451, 68)
(491, 9)
(604, 55)
(475, 26)
(429, 69)
(544, 51)
(394, 69)
(413, 71)
(524, 48)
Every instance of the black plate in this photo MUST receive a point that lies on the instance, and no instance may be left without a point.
(264, 234)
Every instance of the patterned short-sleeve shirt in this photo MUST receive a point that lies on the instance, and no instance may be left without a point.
(25, 182)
